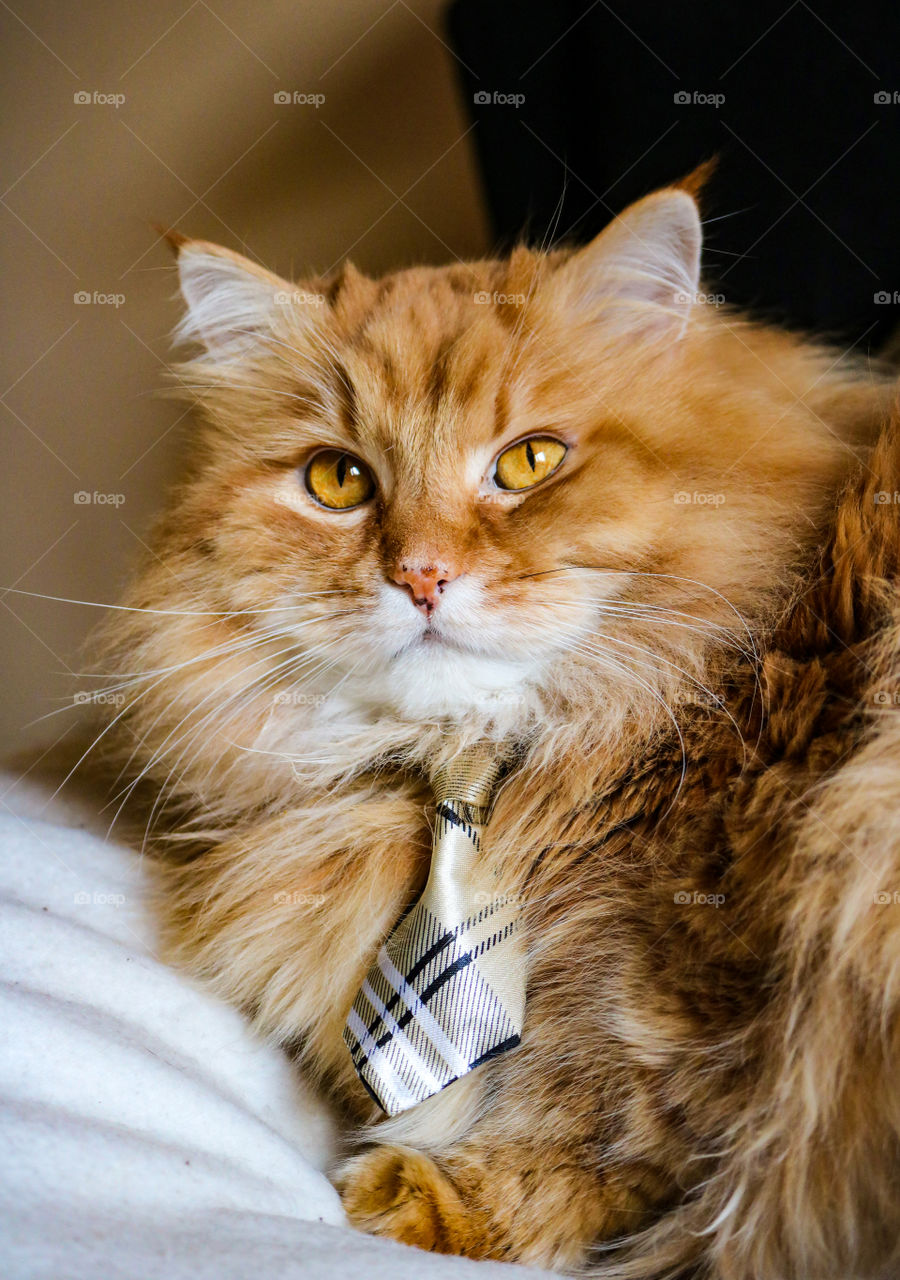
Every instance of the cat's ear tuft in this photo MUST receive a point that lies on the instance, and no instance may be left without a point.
(696, 182)
(641, 274)
(173, 238)
(231, 302)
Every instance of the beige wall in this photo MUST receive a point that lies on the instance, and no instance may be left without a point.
(198, 143)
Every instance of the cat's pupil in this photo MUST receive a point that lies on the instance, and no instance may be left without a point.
(529, 454)
(342, 469)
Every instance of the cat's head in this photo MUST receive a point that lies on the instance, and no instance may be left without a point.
(454, 488)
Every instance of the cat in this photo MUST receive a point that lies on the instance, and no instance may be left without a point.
(563, 500)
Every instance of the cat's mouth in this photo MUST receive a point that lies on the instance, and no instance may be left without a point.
(430, 638)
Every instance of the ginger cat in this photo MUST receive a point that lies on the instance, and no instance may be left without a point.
(558, 499)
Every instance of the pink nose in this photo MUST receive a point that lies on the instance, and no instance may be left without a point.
(425, 582)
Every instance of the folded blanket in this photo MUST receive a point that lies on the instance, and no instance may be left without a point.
(144, 1131)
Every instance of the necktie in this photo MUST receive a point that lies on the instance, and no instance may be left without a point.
(447, 991)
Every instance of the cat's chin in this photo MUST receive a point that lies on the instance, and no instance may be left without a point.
(441, 680)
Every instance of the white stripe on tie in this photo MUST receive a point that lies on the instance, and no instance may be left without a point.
(409, 1051)
(423, 1016)
(386, 1069)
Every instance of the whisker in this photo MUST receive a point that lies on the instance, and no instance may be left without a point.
(253, 643)
(191, 735)
(178, 613)
(643, 573)
(248, 691)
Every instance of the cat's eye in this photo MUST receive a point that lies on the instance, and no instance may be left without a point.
(527, 463)
(339, 481)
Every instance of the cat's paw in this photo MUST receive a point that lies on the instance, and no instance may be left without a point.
(401, 1193)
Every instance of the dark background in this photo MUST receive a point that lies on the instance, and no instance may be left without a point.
(801, 212)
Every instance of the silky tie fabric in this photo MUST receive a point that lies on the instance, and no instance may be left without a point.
(447, 991)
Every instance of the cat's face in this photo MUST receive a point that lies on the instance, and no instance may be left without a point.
(446, 486)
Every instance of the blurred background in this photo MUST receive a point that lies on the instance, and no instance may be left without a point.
(303, 132)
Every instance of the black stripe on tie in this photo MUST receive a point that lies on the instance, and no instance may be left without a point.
(509, 1043)
(433, 987)
(445, 975)
(435, 949)
(369, 1090)
(453, 819)
(476, 815)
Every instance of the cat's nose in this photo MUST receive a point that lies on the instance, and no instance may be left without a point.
(425, 582)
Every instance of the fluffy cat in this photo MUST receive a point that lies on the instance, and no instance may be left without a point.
(558, 499)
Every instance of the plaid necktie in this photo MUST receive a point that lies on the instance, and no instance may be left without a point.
(447, 990)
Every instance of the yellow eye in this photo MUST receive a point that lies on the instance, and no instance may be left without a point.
(338, 480)
(529, 462)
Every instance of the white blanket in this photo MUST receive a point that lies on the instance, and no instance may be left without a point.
(145, 1131)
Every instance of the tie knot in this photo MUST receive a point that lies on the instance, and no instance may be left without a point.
(470, 776)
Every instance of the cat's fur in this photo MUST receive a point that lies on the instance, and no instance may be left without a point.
(708, 793)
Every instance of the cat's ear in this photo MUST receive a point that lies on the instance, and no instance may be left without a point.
(231, 302)
(642, 272)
